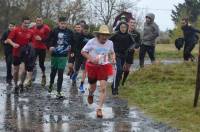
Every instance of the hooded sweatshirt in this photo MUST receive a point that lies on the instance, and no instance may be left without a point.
(122, 42)
(150, 32)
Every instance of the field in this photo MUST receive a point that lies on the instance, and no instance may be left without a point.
(168, 51)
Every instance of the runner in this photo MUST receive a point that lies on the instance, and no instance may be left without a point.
(150, 33)
(191, 39)
(23, 55)
(130, 57)
(41, 32)
(87, 37)
(8, 53)
(97, 52)
(60, 41)
(123, 44)
(71, 56)
(80, 41)
(77, 46)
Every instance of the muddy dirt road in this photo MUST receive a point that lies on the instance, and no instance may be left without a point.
(36, 111)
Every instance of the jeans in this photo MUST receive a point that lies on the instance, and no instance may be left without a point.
(119, 63)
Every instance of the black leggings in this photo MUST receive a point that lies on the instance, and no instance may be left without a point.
(146, 49)
(187, 51)
(41, 53)
(60, 78)
(79, 61)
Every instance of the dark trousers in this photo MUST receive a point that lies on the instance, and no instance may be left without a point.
(41, 53)
(187, 51)
(150, 50)
(9, 60)
(79, 61)
(119, 63)
(60, 78)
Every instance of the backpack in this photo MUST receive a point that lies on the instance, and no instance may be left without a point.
(179, 42)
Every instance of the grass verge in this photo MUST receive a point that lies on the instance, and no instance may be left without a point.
(168, 51)
(166, 93)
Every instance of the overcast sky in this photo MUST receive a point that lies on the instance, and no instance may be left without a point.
(163, 17)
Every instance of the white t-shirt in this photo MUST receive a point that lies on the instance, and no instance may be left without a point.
(98, 50)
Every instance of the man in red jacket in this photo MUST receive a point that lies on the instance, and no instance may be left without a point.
(20, 38)
(41, 32)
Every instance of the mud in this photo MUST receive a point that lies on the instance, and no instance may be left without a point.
(37, 111)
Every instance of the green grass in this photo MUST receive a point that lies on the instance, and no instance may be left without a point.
(168, 51)
(166, 93)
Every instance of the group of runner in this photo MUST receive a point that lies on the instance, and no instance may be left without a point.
(99, 56)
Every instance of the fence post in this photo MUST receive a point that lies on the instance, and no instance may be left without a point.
(197, 90)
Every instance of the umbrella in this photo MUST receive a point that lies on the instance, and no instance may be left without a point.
(127, 15)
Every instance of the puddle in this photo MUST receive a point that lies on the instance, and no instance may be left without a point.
(36, 111)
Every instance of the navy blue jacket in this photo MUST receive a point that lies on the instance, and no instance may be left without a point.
(62, 40)
(190, 34)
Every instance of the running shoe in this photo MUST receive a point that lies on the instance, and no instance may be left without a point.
(74, 76)
(43, 81)
(59, 95)
(99, 113)
(90, 99)
(28, 84)
(81, 88)
(50, 89)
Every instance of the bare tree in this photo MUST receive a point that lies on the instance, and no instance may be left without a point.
(125, 5)
(13, 10)
(104, 9)
(74, 11)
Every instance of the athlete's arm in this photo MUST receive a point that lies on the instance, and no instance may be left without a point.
(11, 36)
(9, 41)
(89, 57)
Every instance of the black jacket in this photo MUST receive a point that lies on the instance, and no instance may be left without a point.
(80, 40)
(62, 40)
(122, 43)
(190, 35)
(136, 35)
(7, 47)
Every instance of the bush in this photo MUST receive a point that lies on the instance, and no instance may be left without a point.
(50, 23)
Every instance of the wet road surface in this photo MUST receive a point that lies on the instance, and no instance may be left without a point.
(36, 111)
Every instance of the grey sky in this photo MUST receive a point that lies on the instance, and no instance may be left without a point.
(163, 17)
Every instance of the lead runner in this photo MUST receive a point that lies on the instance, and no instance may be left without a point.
(100, 55)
